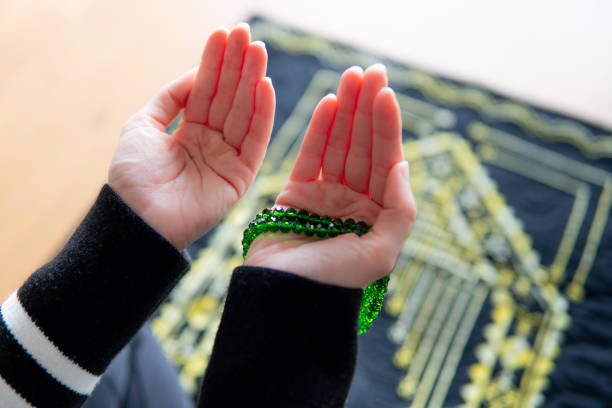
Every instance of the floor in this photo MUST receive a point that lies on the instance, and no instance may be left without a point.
(72, 72)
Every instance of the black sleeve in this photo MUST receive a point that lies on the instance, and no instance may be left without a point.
(62, 328)
(283, 341)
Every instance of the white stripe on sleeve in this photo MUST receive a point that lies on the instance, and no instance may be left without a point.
(46, 354)
(10, 398)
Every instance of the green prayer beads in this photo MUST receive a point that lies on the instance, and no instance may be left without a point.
(292, 220)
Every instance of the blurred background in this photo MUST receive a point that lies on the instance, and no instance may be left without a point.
(72, 72)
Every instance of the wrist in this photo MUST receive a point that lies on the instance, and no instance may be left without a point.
(150, 216)
(308, 257)
(268, 251)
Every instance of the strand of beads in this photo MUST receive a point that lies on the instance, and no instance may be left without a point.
(310, 224)
(300, 222)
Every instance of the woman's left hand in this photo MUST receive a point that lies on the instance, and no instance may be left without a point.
(350, 165)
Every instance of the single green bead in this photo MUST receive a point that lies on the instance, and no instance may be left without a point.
(335, 227)
(326, 225)
(297, 228)
(303, 215)
(360, 228)
(261, 228)
(273, 224)
(309, 229)
(266, 213)
(348, 225)
(314, 218)
(291, 213)
(285, 226)
(321, 231)
(302, 222)
(278, 213)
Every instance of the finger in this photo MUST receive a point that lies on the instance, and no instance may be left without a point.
(386, 141)
(253, 148)
(167, 104)
(239, 117)
(393, 223)
(310, 158)
(206, 80)
(358, 161)
(233, 58)
(339, 137)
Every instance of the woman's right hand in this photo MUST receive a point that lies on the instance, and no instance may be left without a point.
(350, 165)
(183, 184)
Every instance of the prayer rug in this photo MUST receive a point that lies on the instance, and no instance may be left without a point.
(502, 294)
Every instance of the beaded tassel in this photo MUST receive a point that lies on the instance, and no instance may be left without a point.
(292, 220)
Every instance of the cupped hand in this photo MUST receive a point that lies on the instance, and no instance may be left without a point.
(350, 165)
(183, 184)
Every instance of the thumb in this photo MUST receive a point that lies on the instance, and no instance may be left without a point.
(166, 105)
(395, 221)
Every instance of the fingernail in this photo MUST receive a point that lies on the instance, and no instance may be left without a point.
(379, 66)
(243, 24)
(355, 68)
(268, 79)
(388, 89)
(261, 43)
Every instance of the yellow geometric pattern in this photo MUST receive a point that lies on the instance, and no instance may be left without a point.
(466, 246)
(563, 174)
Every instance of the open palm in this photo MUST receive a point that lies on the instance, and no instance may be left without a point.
(183, 184)
(350, 165)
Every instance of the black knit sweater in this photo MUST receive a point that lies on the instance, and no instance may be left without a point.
(283, 341)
